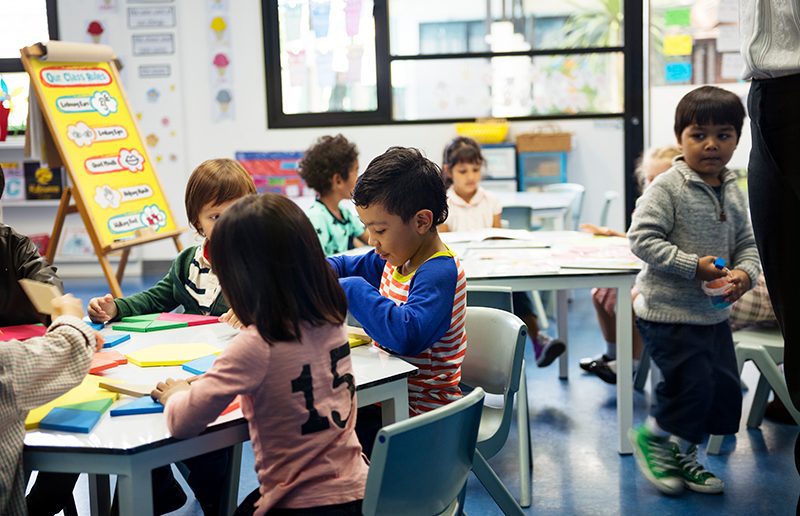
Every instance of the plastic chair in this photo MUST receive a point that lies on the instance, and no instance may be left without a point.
(494, 362)
(501, 299)
(420, 465)
(608, 198)
(517, 217)
(576, 207)
(765, 348)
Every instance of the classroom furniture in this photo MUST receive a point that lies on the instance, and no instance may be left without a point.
(540, 168)
(764, 346)
(501, 299)
(608, 199)
(575, 206)
(493, 362)
(500, 167)
(131, 447)
(559, 268)
(550, 206)
(420, 465)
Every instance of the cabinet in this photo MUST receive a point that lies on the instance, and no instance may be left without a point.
(500, 170)
(541, 168)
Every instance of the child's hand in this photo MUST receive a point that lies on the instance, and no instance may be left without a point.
(600, 230)
(102, 309)
(67, 305)
(99, 340)
(740, 283)
(706, 270)
(167, 388)
(230, 318)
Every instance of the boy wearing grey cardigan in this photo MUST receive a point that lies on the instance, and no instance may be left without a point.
(690, 215)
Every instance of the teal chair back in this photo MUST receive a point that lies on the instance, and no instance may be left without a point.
(420, 465)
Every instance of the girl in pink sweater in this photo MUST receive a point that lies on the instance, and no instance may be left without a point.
(290, 364)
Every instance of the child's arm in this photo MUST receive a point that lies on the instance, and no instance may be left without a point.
(42, 368)
(412, 327)
(653, 220)
(240, 369)
(368, 266)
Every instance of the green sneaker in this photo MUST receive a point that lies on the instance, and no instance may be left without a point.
(694, 475)
(656, 459)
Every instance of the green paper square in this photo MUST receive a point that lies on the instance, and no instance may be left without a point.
(677, 16)
(140, 318)
(165, 325)
(92, 406)
(140, 326)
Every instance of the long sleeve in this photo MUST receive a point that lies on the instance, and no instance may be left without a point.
(411, 327)
(653, 220)
(240, 369)
(29, 264)
(368, 266)
(159, 298)
(42, 368)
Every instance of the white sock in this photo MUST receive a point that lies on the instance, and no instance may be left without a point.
(652, 425)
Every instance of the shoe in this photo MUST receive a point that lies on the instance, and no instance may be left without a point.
(585, 363)
(548, 350)
(694, 475)
(603, 371)
(776, 411)
(655, 457)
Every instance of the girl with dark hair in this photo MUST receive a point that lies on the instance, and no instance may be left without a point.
(293, 348)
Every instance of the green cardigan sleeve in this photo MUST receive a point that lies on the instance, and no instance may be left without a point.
(162, 296)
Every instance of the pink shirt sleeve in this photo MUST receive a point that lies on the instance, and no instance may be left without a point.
(240, 369)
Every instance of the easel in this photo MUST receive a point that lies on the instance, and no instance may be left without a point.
(102, 247)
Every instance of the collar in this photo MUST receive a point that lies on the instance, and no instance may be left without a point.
(456, 200)
(336, 219)
(688, 172)
(205, 254)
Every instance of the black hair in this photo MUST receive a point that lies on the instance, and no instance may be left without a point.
(329, 155)
(709, 105)
(462, 150)
(272, 269)
(404, 182)
(2, 181)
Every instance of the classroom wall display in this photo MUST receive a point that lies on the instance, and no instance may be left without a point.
(109, 165)
(15, 181)
(275, 172)
(219, 62)
(43, 182)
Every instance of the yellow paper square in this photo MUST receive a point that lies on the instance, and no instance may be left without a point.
(88, 390)
(678, 45)
(171, 354)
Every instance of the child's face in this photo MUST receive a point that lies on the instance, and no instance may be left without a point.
(209, 214)
(466, 178)
(394, 240)
(653, 169)
(708, 148)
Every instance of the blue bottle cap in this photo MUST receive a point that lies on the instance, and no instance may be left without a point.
(719, 263)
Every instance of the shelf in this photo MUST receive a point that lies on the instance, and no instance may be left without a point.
(31, 204)
(13, 143)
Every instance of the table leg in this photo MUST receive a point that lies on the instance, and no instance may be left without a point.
(135, 492)
(99, 495)
(395, 408)
(561, 316)
(231, 497)
(624, 368)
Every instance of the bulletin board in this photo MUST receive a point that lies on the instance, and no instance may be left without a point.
(88, 118)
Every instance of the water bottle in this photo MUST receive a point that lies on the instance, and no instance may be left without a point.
(716, 288)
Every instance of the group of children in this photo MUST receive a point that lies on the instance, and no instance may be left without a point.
(262, 266)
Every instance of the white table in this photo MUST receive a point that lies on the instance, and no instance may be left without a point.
(519, 270)
(547, 205)
(132, 446)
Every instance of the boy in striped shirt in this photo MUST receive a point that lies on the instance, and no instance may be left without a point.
(410, 293)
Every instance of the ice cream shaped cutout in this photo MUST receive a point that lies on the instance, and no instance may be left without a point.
(218, 25)
(224, 98)
(95, 31)
(221, 62)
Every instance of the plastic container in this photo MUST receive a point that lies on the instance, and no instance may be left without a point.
(483, 132)
(715, 289)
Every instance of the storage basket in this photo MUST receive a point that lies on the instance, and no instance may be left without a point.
(547, 139)
(484, 131)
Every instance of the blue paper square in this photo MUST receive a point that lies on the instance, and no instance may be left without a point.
(143, 405)
(112, 339)
(70, 420)
(96, 325)
(678, 72)
(199, 365)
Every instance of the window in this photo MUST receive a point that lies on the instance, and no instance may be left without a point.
(357, 62)
(34, 21)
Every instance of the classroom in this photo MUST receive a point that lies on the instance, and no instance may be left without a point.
(546, 228)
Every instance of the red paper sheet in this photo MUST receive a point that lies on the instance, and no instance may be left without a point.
(21, 332)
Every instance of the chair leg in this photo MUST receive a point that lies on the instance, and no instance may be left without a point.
(769, 369)
(714, 444)
(524, 439)
(494, 486)
(538, 308)
(641, 372)
(759, 405)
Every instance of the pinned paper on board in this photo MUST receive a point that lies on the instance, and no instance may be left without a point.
(678, 72)
(171, 354)
(678, 45)
(677, 16)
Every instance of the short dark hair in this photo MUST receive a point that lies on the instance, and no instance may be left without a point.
(329, 155)
(272, 269)
(404, 182)
(2, 181)
(709, 105)
(462, 150)
(215, 181)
